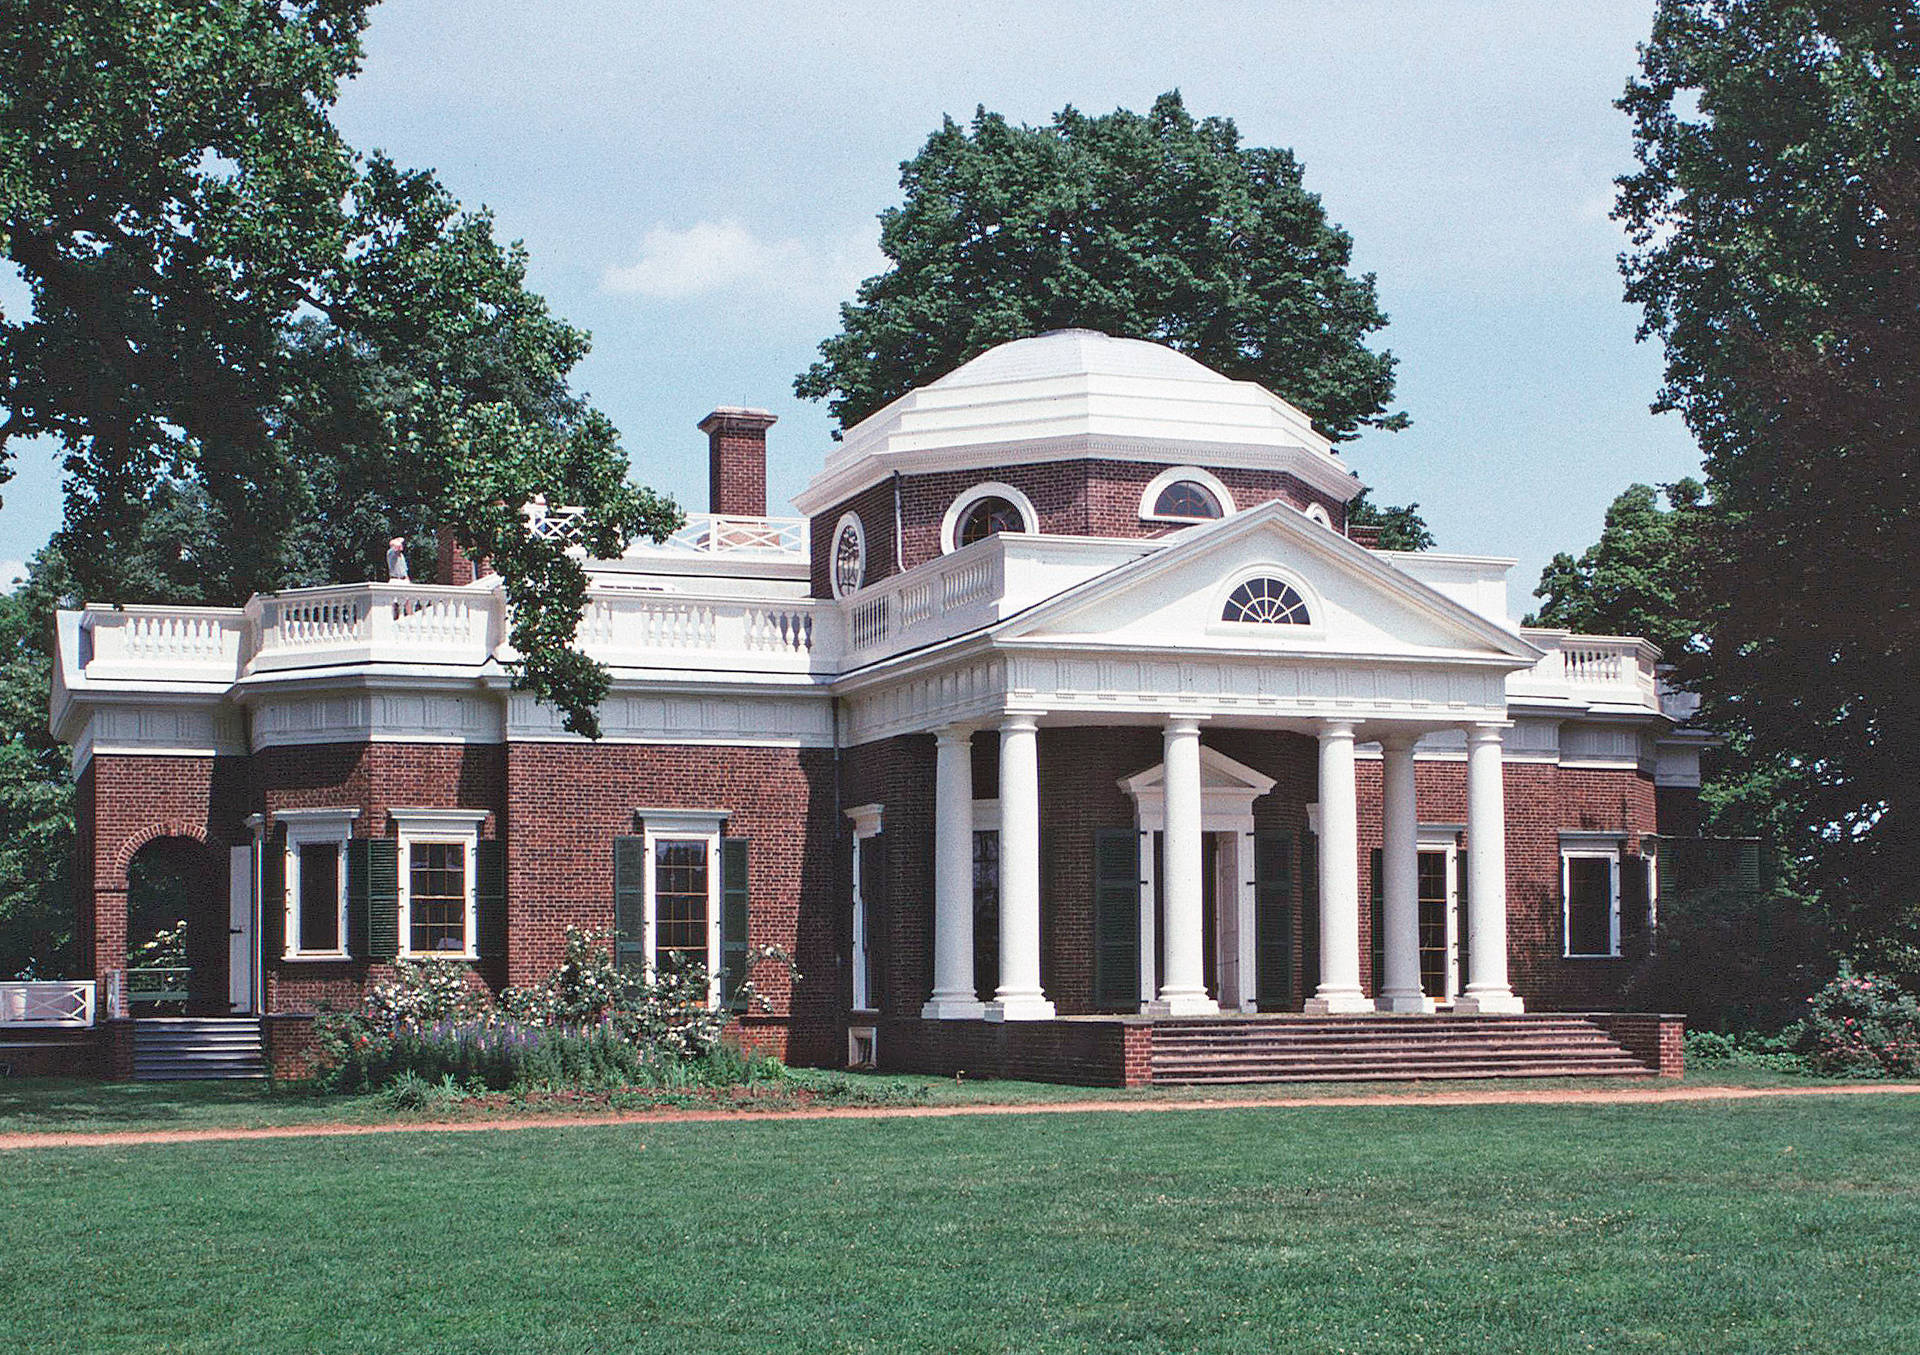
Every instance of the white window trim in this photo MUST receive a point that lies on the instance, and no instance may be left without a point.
(306, 828)
(683, 825)
(987, 489)
(433, 827)
(1318, 512)
(1438, 838)
(833, 553)
(1158, 485)
(1315, 629)
(1611, 855)
(868, 821)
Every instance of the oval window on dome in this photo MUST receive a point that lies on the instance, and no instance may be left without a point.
(1186, 499)
(849, 556)
(988, 517)
(1267, 602)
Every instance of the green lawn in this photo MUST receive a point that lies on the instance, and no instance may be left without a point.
(1763, 1226)
(75, 1105)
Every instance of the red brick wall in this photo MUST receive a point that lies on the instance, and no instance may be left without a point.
(123, 803)
(1071, 498)
(373, 778)
(875, 507)
(897, 774)
(1089, 1054)
(567, 802)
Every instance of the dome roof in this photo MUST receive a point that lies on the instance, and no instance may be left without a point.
(1073, 352)
(1073, 394)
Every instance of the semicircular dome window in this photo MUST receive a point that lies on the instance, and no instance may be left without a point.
(1267, 602)
(988, 517)
(1186, 499)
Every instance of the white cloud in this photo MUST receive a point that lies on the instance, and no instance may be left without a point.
(725, 256)
(13, 573)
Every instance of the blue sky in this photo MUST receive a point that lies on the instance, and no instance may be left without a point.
(698, 186)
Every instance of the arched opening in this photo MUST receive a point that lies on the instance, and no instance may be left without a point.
(177, 947)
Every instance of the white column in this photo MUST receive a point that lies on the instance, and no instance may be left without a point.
(1399, 880)
(1487, 988)
(1018, 998)
(953, 995)
(1339, 990)
(1183, 988)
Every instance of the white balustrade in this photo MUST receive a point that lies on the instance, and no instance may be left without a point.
(375, 622)
(59, 1002)
(176, 639)
(704, 533)
(918, 605)
(1614, 669)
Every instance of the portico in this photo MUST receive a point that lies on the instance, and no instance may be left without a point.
(1196, 792)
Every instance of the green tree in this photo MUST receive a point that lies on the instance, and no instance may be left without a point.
(1775, 220)
(263, 353)
(1157, 226)
(1401, 528)
(36, 785)
(1632, 580)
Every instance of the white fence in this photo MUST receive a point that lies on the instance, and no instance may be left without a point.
(59, 1002)
(704, 533)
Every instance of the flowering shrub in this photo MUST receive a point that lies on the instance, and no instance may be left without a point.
(587, 1025)
(1864, 1025)
(423, 991)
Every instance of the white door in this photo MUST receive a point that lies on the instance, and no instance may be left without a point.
(240, 956)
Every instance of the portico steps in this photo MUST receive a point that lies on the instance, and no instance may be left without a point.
(196, 1049)
(1384, 1048)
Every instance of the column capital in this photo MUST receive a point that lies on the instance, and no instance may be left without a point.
(953, 734)
(1488, 731)
(1338, 727)
(1184, 724)
(1398, 741)
(1020, 719)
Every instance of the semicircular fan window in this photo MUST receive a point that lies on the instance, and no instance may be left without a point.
(1267, 602)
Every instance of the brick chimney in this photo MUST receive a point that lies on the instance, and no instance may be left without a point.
(737, 461)
(453, 566)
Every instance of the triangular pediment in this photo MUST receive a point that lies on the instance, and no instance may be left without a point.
(1357, 603)
(1218, 772)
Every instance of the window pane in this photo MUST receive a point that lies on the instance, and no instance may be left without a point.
(437, 890)
(1266, 602)
(1186, 499)
(680, 902)
(1589, 905)
(319, 896)
(989, 517)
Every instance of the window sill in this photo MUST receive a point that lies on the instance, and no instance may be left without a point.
(317, 957)
(436, 955)
(1615, 956)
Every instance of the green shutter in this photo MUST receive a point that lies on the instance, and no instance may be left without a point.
(630, 902)
(383, 898)
(1460, 922)
(1273, 921)
(273, 893)
(490, 899)
(1116, 917)
(373, 898)
(1379, 924)
(873, 897)
(733, 916)
(1310, 911)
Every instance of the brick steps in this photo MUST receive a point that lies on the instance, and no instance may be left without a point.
(1384, 1048)
(197, 1049)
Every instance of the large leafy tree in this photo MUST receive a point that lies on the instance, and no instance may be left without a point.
(36, 790)
(1632, 580)
(1775, 221)
(263, 353)
(1153, 226)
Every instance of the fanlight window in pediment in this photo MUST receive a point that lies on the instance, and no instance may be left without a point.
(1186, 499)
(1265, 601)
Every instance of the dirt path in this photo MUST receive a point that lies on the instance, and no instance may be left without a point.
(1514, 1096)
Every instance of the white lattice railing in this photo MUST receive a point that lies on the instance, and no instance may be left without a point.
(60, 1002)
(702, 533)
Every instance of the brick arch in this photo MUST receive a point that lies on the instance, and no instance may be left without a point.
(130, 847)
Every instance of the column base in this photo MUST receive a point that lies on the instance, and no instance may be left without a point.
(1488, 1004)
(1181, 1004)
(1338, 1004)
(952, 1007)
(1405, 1002)
(1019, 1007)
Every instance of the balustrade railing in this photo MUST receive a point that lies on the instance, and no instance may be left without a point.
(709, 630)
(40, 1002)
(922, 598)
(705, 533)
(1604, 667)
(368, 622)
(171, 638)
